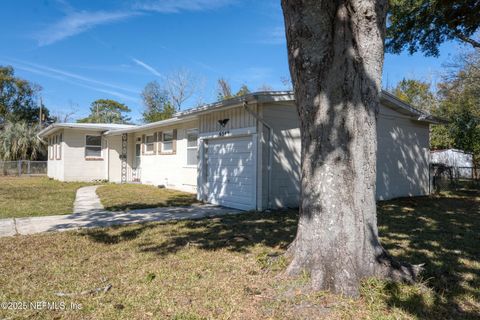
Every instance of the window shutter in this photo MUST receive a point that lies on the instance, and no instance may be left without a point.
(143, 144)
(155, 144)
(174, 142)
(160, 139)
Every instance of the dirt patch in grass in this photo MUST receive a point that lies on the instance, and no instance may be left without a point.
(118, 197)
(230, 268)
(36, 196)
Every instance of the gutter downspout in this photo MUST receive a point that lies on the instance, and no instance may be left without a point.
(270, 149)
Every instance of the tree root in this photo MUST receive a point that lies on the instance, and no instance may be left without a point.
(386, 268)
(398, 271)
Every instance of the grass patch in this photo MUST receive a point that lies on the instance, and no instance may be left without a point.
(36, 196)
(229, 267)
(118, 197)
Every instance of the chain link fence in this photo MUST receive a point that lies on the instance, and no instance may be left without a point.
(23, 167)
(445, 177)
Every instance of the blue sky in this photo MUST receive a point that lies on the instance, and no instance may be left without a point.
(80, 51)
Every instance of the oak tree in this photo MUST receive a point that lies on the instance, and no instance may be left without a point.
(335, 53)
(425, 24)
(157, 103)
(107, 111)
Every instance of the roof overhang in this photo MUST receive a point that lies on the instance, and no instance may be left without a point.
(394, 103)
(256, 97)
(76, 126)
(387, 99)
(191, 114)
(149, 126)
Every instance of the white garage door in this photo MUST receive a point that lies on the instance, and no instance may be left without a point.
(230, 173)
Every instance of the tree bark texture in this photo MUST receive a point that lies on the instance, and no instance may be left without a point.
(335, 51)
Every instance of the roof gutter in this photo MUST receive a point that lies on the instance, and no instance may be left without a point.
(416, 114)
(152, 125)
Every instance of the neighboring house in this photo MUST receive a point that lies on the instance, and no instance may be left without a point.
(242, 153)
(459, 160)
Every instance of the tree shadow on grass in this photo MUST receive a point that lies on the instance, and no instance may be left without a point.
(238, 232)
(177, 200)
(443, 233)
(235, 233)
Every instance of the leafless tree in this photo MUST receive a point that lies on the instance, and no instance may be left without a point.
(265, 87)
(68, 114)
(181, 85)
(287, 82)
(224, 90)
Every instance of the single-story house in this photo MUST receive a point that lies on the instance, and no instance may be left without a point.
(242, 153)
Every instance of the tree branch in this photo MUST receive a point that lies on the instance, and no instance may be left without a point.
(464, 38)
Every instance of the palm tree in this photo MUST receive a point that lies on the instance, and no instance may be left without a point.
(19, 141)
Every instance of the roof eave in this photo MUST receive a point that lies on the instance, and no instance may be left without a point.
(150, 126)
(417, 115)
(57, 126)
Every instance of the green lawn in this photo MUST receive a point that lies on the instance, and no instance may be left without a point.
(117, 197)
(36, 196)
(231, 268)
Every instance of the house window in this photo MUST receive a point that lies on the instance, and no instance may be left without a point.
(167, 141)
(59, 146)
(192, 146)
(93, 146)
(149, 143)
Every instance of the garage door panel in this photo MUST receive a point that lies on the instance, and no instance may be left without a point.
(241, 156)
(232, 180)
(232, 201)
(231, 189)
(230, 172)
(214, 163)
(230, 148)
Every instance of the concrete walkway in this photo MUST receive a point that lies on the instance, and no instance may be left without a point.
(89, 213)
(87, 200)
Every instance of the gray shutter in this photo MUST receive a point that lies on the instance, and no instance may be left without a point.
(160, 139)
(155, 136)
(174, 142)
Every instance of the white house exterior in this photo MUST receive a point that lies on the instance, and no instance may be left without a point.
(242, 153)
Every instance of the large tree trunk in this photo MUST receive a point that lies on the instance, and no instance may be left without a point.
(335, 51)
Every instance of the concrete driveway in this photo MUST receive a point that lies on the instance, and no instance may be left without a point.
(89, 213)
(102, 218)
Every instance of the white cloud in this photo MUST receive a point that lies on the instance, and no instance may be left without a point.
(148, 68)
(78, 22)
(174, 6)
(75, 79)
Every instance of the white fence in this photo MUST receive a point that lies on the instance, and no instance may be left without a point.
(23, 167)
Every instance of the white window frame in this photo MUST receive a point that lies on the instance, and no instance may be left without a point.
(58, 147)
(150, 143)
(169, 142)
(50, 149)
(95, 146)
(190, 131)
(55, 147)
